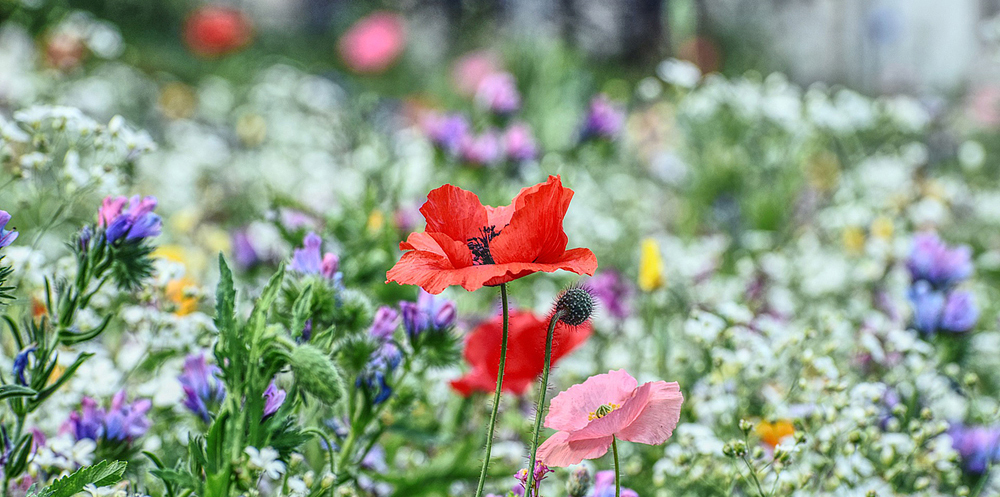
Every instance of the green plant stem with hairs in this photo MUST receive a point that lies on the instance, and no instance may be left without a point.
(618, 473)
(540, 406)
(496, 395)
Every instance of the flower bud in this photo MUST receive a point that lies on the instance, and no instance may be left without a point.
(317, 374)
(746, 426)
(575, 306)
(578, 483)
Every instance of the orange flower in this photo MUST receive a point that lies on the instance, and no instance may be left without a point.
(772, 433)
(469, 244)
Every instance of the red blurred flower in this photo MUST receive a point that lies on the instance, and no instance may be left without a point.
(469, 244)
(373, 43)
(213, 31)
(525, 354)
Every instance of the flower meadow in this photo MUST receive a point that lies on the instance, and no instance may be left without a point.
(522, 278)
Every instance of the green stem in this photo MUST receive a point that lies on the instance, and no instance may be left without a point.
(540, 407)
(618, 473)
(496, 395)
(753, 473)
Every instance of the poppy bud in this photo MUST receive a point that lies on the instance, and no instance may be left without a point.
(317, 374)
(575, 306)
(579, 482)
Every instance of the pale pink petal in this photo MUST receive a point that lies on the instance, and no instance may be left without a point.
(657, 421)
(558, 451)
(617, 419)
(570, 409)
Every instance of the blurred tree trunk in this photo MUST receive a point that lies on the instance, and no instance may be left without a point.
(644, 34)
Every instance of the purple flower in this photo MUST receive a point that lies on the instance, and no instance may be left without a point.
(88, 422)
(604, 120)
(960, 312)
(135, 222)
(428, 312)
(385, 323)
(928, 304)
(202, 385)
(519, 143)
(244, 252)
(541, 471)
(978, 446)
(446, 132)
(124, 421)
(374, 460)
(274, 397)
(7, 237)
(932, 261)
(498, 93)
(375, 374)
(293, 219)
(21, 363)
(480, 150)
(604, 485)
(307, 260)
(613, 291)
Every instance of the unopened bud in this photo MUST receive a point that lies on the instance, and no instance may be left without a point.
(575, 306)
(746, 426)
(579, 482)
(317, 374)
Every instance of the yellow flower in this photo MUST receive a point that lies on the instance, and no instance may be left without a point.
(773, 433)
(854, 239)
(650, 266)
(176, 292)
(882, 227)
(375, 221)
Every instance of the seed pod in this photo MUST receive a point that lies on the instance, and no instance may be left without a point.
(317, 374)
(575, 306)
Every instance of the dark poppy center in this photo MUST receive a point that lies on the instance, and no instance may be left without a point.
(480, 246)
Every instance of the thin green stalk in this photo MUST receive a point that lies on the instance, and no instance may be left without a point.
(540, 407)
(496, 395)
(618, 473)
(753, 473)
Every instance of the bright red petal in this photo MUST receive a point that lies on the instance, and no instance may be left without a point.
(455, 212)
(535, 232)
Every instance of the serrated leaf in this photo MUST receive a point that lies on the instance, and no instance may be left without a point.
(101, 474)
(225, 298)
(258, 316)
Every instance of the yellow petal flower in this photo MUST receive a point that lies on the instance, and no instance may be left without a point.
(882, 227)
(854, 239)
(650, 266)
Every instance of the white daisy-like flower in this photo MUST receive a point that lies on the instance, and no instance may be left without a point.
(265, 460)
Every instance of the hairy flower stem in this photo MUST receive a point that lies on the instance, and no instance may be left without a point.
(618, 473)
(540, 406)
(496, 395)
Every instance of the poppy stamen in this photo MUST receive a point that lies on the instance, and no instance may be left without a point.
(480, 246)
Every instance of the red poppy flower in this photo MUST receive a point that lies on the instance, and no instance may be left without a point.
(469, 244)
(213, 31)
(525, 354)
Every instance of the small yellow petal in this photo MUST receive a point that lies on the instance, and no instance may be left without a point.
(650, 266)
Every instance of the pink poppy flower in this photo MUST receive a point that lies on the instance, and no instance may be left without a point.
(607, 406)
(373, 43)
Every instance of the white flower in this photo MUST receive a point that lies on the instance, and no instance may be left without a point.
(265, 460)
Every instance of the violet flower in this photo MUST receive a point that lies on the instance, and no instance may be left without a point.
(519, 143)
(244, 252)
(88, 422)
(960, 312)
(274, 397)
(446, 132)
(7, 237)
(604, 485)
(126, 421)
(541, 471)
(385, 323)
(498, 93)
(480, 150)
(978, 446)
(134, 222)
(21, 363)
(202, 386)
(308, 260)
(429, 312)
(379, 368)
(613, 291)
(933, 261)
(603, 120)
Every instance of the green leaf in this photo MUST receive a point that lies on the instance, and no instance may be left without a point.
(258, 316)
(301, 310)
(67, 374)
(8, 391)
(101, 474)
(225, 298)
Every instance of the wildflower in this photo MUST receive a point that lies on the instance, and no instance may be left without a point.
(88, 422)
(307, 260)
(470, 70)
(244, 253)
(468, 244)
(960, 312)
(375, 374)
(274, 397)
(979, 446)
(613, 291)
(447, 132)
(202, 386)
(372, 44)
(498, 93)
(525, 358)
(933, 261)
(265, 460)
(429, 312)
(21, 363)
(650, 266)
(934, 310)
(126, 421)
(7, 237)
(773, 433)
(385, 323)
(519, 144)
(604, 120)
(480, 150)
(135, 222)
(541, 471)
(214, 31)
(591, 415)
(604, 485)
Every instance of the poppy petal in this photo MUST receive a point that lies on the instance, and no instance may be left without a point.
(616, 420)
(535, 232)
(455, 212)
(569, 410)
(558, 451)
(657, 421)
(434, 273)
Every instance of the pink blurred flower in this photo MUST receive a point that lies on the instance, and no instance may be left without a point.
(470, 69)
(498, 93)
(519, 143)
(607, 406)
(984, 106)
(374, 43)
